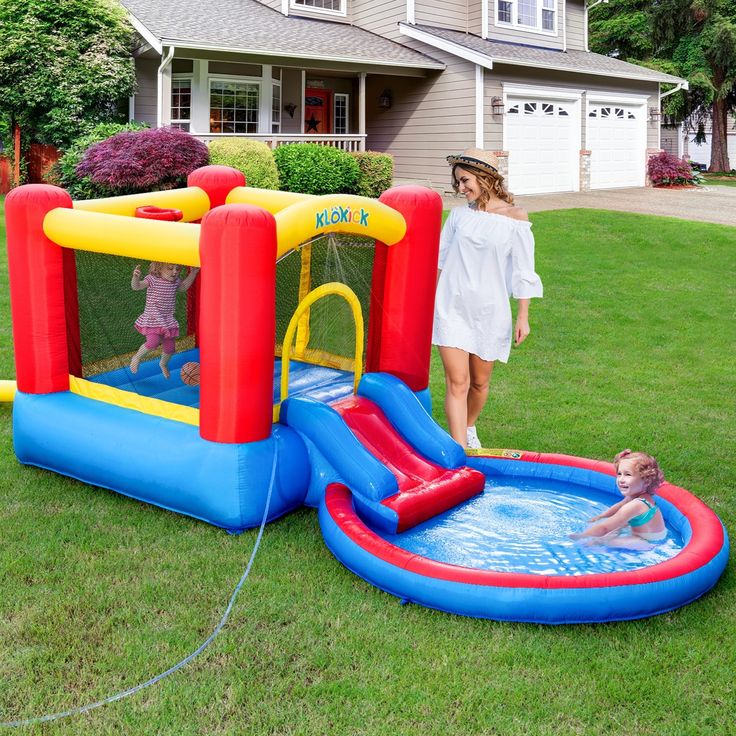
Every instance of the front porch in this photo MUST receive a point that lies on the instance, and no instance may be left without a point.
(344, 142)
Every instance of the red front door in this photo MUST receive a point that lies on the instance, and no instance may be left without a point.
(317, 106)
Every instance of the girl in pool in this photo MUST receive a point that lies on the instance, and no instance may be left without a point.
(157, 323)
(637, 477)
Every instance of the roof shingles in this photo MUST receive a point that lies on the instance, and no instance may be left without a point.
(250, 26)
(581, 62)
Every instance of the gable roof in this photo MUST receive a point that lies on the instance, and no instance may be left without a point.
(478, 50)
(248, 26)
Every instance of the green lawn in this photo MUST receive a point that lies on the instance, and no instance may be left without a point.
(632, 346)
(720, 180)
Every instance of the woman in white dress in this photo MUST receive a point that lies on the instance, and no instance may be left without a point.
(486, 256)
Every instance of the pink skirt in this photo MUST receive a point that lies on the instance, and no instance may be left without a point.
(163, 331)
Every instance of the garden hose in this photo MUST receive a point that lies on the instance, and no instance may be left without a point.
(188, 658)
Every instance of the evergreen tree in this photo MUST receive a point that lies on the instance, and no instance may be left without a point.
(693, 39)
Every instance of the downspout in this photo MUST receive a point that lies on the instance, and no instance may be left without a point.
(159, 81)
(676, 88)
(484, 22)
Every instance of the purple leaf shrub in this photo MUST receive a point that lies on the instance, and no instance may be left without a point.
(664, 168)
(144, 160)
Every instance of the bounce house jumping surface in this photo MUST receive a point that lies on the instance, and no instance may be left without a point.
(312, 381)
(278, 416)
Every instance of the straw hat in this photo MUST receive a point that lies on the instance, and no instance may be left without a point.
(476, 158)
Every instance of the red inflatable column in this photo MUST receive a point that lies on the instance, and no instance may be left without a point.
(403, 286)
(36, 268)
(217, 182)
(237, 323)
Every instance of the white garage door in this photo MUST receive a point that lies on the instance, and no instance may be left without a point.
(543, 141)
(616, 139)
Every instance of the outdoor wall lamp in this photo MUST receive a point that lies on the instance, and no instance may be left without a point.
(290, 107)
(654, 114)
(385, 100)
(497, 106)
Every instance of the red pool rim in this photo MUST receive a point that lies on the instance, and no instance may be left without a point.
(706, 541)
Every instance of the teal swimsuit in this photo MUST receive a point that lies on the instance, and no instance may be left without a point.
(648, 515)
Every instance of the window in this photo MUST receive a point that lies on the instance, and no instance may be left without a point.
(234, 107)
(276, 107)
(539, 15)
(327, 6)
(342, 106)
(181, 103)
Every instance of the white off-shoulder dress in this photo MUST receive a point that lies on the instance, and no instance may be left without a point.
(485, 258)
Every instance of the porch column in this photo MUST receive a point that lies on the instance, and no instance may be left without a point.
(361, 109)
(200, 121)
(264, 112)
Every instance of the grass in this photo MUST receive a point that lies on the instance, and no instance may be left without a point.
(631, 346)
(723, 179)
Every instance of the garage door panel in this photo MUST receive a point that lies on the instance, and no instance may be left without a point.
(616, 138)
(543, 140)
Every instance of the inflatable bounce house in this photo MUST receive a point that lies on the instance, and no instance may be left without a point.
(298, 401)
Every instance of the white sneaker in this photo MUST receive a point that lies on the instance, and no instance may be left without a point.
(473, 441)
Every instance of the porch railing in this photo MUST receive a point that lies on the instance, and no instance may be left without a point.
(353, 142)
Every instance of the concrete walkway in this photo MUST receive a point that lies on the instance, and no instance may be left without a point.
(706, 204)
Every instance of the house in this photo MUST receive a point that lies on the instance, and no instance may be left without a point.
(415, 78)
(680, 140)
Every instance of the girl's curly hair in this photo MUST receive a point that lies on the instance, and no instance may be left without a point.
(488, 184)
(646, 466)
(156, 267)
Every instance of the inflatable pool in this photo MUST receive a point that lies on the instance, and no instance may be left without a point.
(505, 554)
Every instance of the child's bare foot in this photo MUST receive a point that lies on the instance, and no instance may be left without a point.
(164, 367)
(134, 363)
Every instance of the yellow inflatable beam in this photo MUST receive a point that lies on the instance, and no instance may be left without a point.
(268, 199)
(7, 391)
(192, 201)
(332, 213)
(152, 240)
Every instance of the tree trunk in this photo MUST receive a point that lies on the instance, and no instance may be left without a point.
(16, 154)
(718, 139)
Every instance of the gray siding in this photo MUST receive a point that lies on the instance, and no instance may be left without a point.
(518, 34)
(381, 17)
(145, 96)
(291, 91)
(454, 14)
(275, 4)
(309, 13)
(575, 25)
(429, 119)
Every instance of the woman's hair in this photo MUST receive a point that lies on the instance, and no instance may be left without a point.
(156, 267)
(489, 184)
(646, 466)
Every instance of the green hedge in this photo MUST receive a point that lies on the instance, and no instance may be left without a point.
(254, 158)
(376, 173)
(310, 168)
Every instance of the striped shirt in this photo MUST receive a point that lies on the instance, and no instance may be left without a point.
(160, 303)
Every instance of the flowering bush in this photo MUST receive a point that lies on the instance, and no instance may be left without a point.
(143, 161)
(664, 168)
(64, 172)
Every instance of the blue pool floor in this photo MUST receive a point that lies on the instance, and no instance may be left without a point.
(525, 528)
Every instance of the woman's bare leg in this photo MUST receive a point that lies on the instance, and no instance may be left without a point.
(480, 378)
(457, 382)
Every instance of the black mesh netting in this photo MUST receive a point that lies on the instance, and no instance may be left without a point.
(108, 306)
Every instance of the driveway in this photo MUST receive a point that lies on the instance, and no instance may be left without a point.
(707, 204)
